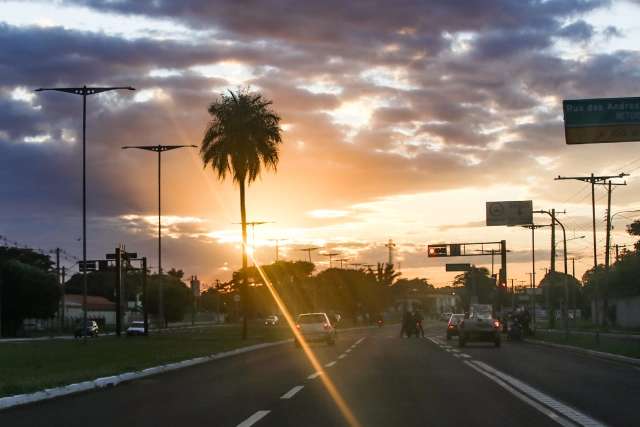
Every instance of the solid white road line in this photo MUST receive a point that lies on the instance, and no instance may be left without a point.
(314, 375)
(292, 392)
(330, 364)
(566, 411)
(253, 419)
(342, 356)
(522, 397)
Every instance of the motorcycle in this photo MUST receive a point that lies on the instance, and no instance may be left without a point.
(514, 331)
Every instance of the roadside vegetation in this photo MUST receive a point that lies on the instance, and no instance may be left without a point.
(32, 366)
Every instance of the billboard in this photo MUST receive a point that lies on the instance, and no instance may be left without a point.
(509, 213)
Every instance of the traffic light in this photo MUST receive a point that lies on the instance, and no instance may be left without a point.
(437, 251)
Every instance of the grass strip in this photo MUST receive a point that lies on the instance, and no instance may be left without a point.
(607, 344)
(33, 366)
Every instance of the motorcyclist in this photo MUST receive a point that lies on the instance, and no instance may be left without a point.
(406, 321)
(418, 318)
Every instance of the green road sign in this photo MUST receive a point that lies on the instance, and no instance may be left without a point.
(458, 267)
(594, 121)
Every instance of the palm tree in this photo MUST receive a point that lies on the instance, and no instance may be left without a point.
(243, 135)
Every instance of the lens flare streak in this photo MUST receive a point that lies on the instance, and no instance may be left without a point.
(326, 381)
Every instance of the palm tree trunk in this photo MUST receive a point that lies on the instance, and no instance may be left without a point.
(243, 288)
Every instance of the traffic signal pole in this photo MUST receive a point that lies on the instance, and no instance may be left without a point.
(118, 290)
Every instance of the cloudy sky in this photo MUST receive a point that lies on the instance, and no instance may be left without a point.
(401, 119)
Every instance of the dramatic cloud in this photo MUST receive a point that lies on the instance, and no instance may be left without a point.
(385, 106)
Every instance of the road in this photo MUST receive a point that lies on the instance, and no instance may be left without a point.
(384, 380)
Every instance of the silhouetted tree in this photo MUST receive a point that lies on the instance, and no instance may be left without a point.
(27, 288)
(242, 137)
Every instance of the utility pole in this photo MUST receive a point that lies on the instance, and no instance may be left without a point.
(145, 305)
(253, 235)
(573, 267)
(278, 247)
(605, 293)
(592, 179)
(308, 251)
(64, 273)
(547, 290)
(513, 295)
(553, 240)
(342, 260)
(59, 287)
(617, 251)
(608, 219)
(118, 290)
(533, 266)
(390, 245)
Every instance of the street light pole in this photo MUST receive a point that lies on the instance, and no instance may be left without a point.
(84, 91)
(159, 149)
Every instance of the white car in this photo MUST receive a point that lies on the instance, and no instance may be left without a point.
(272, 320)
(135, 328)
(315, 327)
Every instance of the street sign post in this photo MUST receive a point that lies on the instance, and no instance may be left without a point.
(603, 120)
(458, 267)
(509, 213)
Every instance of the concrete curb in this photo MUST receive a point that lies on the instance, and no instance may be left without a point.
(114, 380)
(593, 353)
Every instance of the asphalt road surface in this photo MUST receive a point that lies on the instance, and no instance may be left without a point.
(384, 380)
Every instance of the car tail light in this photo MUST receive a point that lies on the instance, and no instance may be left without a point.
(326, 326)
(450, 326)
(496, 324)
(298, 325)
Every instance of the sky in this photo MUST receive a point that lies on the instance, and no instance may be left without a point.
(400, 121)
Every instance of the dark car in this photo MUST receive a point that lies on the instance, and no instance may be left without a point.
(91, 329)
(452, 326)
(480, 325)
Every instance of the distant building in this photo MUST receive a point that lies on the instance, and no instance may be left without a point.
(99, 309)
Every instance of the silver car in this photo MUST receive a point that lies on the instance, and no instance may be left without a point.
(315, 327)
(480, 325)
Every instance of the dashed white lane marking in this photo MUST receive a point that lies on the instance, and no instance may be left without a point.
(314, 375)
(348, 350)
(253, 419)
(545, 403)
(330, 364)
(360, 340)
(465, 355)
(292, 392)
(457, 356)
(455, 351)
(342, 356)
